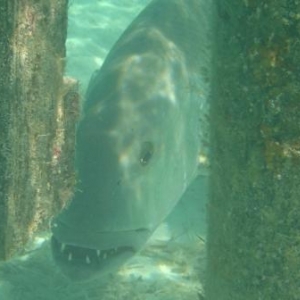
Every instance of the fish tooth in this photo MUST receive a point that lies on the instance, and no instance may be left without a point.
(98, 253)
(104, 255)
(62, 247)
(87, 259)
(70, 256)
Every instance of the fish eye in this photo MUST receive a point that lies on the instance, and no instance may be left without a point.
(147, 150)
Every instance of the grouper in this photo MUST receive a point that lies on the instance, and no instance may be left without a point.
(139, 139)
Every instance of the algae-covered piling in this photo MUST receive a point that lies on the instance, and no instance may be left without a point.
(36, 124)
(254, 207)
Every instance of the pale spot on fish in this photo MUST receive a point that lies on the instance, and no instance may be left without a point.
(124, 159)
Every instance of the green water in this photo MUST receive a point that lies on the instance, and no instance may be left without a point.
(235, 234)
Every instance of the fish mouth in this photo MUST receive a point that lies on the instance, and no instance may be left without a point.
(80, 263)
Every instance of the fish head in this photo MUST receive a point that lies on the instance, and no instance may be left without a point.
(136, 152)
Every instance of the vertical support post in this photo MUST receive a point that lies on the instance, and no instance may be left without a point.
(254, 205)
(32, 59)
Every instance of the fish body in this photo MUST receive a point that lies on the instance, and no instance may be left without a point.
(138, 140)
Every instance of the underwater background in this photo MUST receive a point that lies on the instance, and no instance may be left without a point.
(250, 248)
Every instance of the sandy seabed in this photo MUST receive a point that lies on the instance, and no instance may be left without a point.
(162, 271)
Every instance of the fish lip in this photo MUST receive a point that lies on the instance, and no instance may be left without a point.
(68, 253)
(80, 264)
(90, 238)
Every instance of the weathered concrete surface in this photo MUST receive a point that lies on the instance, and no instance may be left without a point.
(37, 115)
(254, 209)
